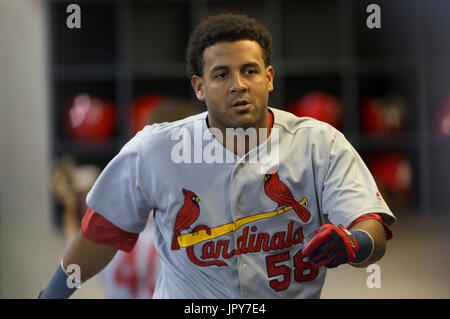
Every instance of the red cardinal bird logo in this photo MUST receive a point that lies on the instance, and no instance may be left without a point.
(280, 193)
(186, 216)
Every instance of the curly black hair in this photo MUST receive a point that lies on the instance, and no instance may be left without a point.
(225, 27)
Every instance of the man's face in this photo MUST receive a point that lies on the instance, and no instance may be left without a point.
(235, 85)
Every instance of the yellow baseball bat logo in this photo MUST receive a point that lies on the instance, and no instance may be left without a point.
(187, 240)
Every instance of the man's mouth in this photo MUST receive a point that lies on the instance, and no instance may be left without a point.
(240, 103)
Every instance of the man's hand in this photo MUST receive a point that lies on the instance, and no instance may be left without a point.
(332, 246)
(362, 245)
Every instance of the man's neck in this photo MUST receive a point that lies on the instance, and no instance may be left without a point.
(242, 140)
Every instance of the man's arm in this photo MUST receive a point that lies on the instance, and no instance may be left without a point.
(377, 232)
(89, 256)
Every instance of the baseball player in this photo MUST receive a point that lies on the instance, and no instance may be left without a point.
(227, 226)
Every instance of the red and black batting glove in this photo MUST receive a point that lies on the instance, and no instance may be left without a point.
(333, 245)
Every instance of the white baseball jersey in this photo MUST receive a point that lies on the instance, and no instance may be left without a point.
(236, 229)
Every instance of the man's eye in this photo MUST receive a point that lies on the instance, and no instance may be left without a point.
(251, 71)
(221, 75)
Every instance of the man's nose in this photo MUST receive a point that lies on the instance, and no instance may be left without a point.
(238, 84)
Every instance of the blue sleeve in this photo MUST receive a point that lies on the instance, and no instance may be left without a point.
(58, 287)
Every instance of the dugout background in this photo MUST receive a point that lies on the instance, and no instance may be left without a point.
(126, 49)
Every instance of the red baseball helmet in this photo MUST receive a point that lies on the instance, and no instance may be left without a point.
(321, 106)
(383, 115)
(143, 109)
(392, 171)
(443, 123)
(90, 118)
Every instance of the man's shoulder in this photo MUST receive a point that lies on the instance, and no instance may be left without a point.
(168, 127)
(298, 125)
(160, 134)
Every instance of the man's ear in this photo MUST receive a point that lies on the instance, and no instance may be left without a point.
(269, 75)
(197, 84)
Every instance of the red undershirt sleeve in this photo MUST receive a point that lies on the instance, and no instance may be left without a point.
(378, 217)
(99, 230)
